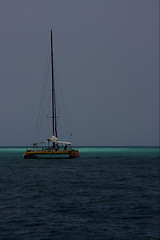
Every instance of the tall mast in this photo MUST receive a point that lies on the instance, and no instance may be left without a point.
(53, 117)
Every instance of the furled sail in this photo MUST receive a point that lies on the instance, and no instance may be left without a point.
(54, 139)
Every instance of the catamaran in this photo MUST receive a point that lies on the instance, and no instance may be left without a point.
(58, 149)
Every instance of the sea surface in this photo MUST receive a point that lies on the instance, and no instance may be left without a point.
(105, 194)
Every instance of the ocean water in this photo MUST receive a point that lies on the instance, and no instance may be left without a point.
(107, 193)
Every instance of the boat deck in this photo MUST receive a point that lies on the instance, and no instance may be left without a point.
(51, 152)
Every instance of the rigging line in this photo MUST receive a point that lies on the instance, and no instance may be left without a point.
(57, 108)
(59, 82)
(43, 90)
(44, 114)
(55, 122)
(58, 118)
(39, 112)
(62, 121)
(48, 112)
(41, 108)
(59, 126)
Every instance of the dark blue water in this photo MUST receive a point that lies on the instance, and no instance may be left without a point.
(107, 193)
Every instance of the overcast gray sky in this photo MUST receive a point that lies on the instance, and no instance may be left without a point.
(106, 53)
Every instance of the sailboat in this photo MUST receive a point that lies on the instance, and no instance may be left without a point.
(58, 149)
